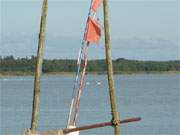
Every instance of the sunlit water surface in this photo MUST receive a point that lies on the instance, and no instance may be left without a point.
(155, 98)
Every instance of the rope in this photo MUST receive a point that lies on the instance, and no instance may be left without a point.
(78, 70)
(75, 86)
(81, 84)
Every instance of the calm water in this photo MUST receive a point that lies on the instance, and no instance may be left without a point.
(156, 98)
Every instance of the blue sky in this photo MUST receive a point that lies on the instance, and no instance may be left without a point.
(140, 29)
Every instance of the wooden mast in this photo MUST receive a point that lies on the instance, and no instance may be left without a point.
(112, 91)
(37, 80)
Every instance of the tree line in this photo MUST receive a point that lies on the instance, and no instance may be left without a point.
(11, 64)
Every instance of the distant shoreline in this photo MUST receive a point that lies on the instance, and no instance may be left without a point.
(91, 73)
(11, 66)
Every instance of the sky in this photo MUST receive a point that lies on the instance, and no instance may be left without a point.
(140, 29)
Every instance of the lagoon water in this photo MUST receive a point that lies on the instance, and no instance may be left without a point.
(155, 98)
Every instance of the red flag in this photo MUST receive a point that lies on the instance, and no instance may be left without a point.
(96, 4)
(93, 33)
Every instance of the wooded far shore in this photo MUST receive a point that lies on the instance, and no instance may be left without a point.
(26, 66)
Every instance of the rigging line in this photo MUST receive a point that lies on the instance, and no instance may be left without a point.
(78, 69)
(81, 85)
(74, 90)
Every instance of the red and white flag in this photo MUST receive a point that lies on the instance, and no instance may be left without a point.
(93, 33)
(96, 4)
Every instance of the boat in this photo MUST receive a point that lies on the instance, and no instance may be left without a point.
(98, 83)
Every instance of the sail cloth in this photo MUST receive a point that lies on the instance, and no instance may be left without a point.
(93, 33)
(96, 4)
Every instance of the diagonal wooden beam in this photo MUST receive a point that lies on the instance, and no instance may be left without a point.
(82, 128)
(99, 125)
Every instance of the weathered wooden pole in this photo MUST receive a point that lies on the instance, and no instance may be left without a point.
(37, 80)
(112, 91)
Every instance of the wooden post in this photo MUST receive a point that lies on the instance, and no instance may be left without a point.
(112, 91)
(37, 81)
